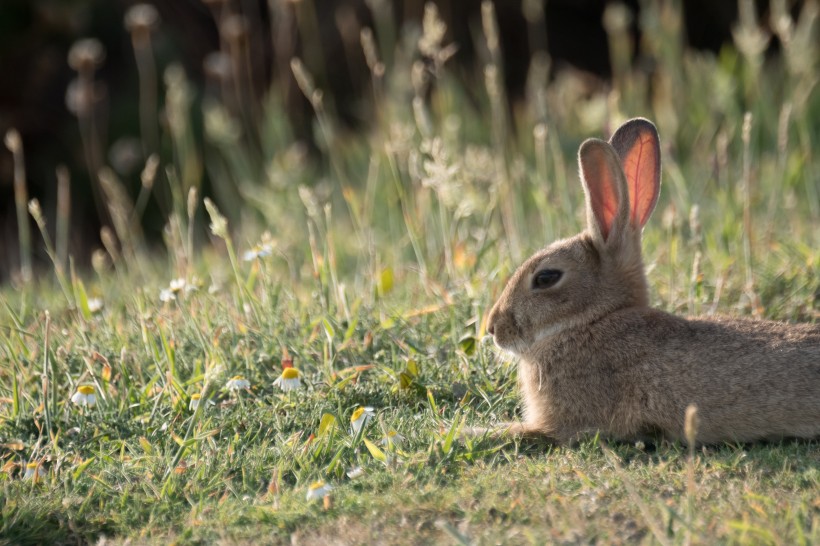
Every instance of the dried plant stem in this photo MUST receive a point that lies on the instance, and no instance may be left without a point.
(385, 24)
(331, 258)
(15, 145)
(46, 377)
(307, 22)
(59, 271)
(690, 428)
(122, 211)
(90, 138)
(147, 73)
(148, 177)
(377, 70)
(237, 30)
(747, 213)
(193, 203)
(694, 283)
(782, 163)
(446, 241)
(63, 216)
(617, 19)
(317, 269)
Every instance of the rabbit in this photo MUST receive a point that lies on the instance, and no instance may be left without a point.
(595, 358)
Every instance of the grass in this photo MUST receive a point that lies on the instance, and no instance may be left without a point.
(375, 281)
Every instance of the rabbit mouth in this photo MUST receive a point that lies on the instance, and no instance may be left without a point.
(515, 345)
(518, 345)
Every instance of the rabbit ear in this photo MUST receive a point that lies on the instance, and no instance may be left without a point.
(605, 187)
(638, 147)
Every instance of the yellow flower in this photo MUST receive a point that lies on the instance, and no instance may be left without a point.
(318, 490)
(194, 401)
(360, 418)
(84, 396)
(289, 380)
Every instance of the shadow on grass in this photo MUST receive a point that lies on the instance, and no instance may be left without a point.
(764, 457)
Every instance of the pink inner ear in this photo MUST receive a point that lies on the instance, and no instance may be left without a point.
(603, 195)
(642, 168)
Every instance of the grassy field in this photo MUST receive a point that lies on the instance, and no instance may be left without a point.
(372, 273)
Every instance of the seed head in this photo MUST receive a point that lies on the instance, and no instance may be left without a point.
(141, 18)
(86, 55)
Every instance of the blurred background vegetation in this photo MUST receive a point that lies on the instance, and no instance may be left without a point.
(275, 108)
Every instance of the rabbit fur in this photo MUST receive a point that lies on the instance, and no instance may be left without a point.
(595, 358)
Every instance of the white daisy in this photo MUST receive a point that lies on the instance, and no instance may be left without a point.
(354, 473)
(166, 295)
(392, 438)
(84, 396)
(95, 305)
(318, 490)
(258, 251)
(289, 380)
(237, 383)
(193, 286)
(194, 403)
(177, 285)
(360, 418)
(34, 471)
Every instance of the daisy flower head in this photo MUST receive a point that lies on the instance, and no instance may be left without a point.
(166, 295)
(237, 383)
(177, 285)
(354, 473)
(318, 491)
(392, 438)
(289, 380)
(194, 403)
(193, 286)
(360, 418)
(95, 305)
(258, 251)
(84, 396)
(34, 471)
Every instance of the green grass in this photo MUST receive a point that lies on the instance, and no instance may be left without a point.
(386, 258)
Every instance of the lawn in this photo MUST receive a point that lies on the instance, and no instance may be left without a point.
(371, 271)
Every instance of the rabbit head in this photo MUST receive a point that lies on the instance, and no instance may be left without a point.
(580, 279)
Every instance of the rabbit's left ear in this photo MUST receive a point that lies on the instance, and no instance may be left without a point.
(638, 147)
(606, 194)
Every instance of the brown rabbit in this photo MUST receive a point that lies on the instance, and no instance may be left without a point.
(595, 358)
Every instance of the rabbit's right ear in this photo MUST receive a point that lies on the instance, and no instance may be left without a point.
(638, 146)
(607, 196)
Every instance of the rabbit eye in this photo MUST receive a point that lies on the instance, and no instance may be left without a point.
(546, 278)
